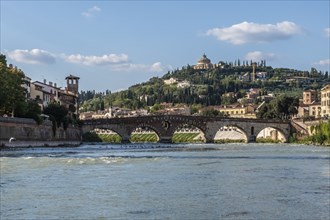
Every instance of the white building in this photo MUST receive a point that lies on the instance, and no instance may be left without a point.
(170, 81)
(183, 84)
(45, 92)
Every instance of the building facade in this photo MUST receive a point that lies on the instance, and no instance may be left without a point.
(45, 93)
(238, 111)
(325, 101)
(309, 96)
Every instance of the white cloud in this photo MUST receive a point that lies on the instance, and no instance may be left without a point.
(131, 67)
(327, 32)
(249, 32)
(91, 11)
(325, 62)
(96, 60)
(116, 62)
(157, 67)
(34, 56)
(258, 55)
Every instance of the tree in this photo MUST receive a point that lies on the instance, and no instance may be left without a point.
(58, 111)
(33, 111)
(12, 94)
(282, 107)
(210, 112)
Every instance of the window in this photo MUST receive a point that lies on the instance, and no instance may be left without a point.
(252, 130)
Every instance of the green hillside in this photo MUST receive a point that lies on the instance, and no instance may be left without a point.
(206, 87)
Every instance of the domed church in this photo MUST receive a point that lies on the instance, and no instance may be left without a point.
(204, 63)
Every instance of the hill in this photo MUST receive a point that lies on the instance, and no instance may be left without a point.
(220, 85)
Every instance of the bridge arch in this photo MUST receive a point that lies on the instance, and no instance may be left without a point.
(271, 133)
(144, 132)
(108, 135)
(188, 133)
(105, 131)
(229, 132)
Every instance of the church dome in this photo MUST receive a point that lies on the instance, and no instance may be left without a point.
(204, 60)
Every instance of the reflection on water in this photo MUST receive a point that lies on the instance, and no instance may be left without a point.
(148, 181)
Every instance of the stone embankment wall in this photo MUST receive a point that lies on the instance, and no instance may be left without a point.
(27, 132)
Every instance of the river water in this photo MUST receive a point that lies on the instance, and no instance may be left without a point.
(156, 181)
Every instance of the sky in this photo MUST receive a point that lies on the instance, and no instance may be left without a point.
(112, 45)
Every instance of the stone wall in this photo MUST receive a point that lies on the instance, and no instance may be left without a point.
(23, 129)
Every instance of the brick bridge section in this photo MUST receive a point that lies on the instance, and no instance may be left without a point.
(166, 125)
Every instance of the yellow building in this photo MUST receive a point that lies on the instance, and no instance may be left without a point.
(315, 109)
(325, 101)
(238, 111)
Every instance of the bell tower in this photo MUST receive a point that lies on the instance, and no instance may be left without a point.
(72, 83)
(253, 78)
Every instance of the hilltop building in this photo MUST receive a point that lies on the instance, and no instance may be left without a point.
(203, 63)
(179, 83)
(170, 81)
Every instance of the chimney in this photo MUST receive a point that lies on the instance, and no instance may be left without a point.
(50, 83)
(45, 81)
(55, 85)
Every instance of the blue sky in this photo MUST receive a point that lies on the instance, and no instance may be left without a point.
(115, 44)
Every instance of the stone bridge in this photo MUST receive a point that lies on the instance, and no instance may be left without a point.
(166, 125)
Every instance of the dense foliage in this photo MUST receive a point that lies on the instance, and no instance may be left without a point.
(321, 133)
(13, 101)
(12, 94)
(282, 107)
(58, 113)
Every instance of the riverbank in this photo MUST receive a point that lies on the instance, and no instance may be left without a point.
(27, 133)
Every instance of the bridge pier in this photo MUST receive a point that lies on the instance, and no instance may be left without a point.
(166, 140)
(209, 141)
(252, 139)
(125, 140)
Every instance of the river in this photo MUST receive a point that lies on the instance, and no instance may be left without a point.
(156, 181)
